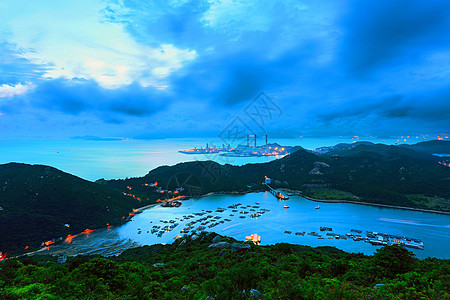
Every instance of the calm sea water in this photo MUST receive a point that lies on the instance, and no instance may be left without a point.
(130, 158)
(432, 229)
(93, 160)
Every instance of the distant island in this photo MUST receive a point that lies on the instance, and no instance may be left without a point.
(42, 204)
(95, 138)
(250, 149)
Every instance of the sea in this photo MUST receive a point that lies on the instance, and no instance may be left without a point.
(301, 216)
(110, 159)
(93, 159)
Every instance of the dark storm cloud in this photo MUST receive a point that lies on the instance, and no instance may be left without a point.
(376, 33)
(238, 77)
(78, 96)
(430, 107)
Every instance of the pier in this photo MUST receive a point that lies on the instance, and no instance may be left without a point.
(277, 194)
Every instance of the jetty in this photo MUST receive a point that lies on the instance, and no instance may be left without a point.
(277, 194)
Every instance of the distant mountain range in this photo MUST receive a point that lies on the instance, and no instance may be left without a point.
(40, 203)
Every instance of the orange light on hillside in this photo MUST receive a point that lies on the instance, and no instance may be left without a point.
(87, 231)
(26, 247)
(2, 256)
(48, 243)
(129, 188)
(69, 238)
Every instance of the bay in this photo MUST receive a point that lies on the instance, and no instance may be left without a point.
(432, 229)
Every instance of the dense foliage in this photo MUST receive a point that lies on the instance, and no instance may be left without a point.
(430, 147)
(188, 270)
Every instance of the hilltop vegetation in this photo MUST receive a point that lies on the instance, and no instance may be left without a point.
(188, 270)
(431, 147)
(371, 173)
(38, 201)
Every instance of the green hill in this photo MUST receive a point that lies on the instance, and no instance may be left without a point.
(192, 269)
(431, 147)
(37, 201)
(391, 175)
(367, 172)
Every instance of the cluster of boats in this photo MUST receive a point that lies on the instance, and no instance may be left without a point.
(160, 231)
(376, 238)
(372, 237)
(199, 221)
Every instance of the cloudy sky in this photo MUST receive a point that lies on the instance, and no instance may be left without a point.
(156, 68)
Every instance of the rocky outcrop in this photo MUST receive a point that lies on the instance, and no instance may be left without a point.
(237, 247)
(216, 239)
(159, 265)
(219, 245)
(317, 167)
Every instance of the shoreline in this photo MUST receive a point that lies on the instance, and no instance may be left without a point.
(139, 210)
(308, 198)
(373, 204)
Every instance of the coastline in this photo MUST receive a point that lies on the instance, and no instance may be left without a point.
(308, 198)
(376, 204)
(138, 210)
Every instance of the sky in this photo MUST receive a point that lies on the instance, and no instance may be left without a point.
(201, 68)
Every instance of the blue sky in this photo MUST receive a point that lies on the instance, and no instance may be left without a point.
(149, 69)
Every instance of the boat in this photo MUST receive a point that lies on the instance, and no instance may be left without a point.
(317, 207)
(285, 206)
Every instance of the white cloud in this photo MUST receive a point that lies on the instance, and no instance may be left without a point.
(7, 91)
(71, 38)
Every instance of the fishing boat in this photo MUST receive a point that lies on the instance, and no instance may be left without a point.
(285, 206)
(317, 207)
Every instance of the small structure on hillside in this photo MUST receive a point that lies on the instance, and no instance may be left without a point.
(61, 259)
(255, 238)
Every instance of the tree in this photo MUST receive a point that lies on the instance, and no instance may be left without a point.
(393, 260)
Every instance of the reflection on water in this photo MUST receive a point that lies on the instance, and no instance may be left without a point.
(411, 222)
(432, 229)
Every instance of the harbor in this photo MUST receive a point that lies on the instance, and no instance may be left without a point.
(240, 216)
